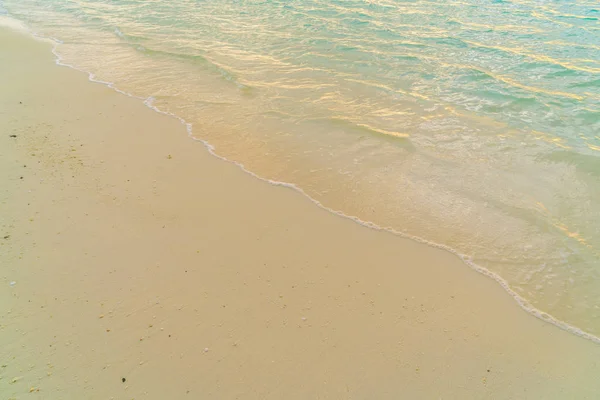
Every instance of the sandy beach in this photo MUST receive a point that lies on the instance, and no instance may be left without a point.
(135, 265)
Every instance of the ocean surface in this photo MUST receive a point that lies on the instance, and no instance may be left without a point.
(470, 124)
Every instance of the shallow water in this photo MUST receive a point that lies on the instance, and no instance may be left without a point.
(471, 124)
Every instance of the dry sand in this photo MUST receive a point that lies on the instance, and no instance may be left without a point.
(145, 268)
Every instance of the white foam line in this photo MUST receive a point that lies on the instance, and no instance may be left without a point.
(522, 302)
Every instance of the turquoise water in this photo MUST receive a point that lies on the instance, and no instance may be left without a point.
(471, 124)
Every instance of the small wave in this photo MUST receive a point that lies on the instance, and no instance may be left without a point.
(543, 59)
(365, 129)
(129, 38)
(197, 60)
(572, 16)
(590, 84)
(516, 84)
(585, 164)
(449, 41)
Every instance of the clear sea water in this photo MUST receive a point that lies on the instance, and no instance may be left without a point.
(473, 124)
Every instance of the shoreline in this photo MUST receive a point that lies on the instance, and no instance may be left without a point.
(521, 301)
(267, 215)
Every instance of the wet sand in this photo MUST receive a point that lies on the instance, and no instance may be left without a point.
(135, 265)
